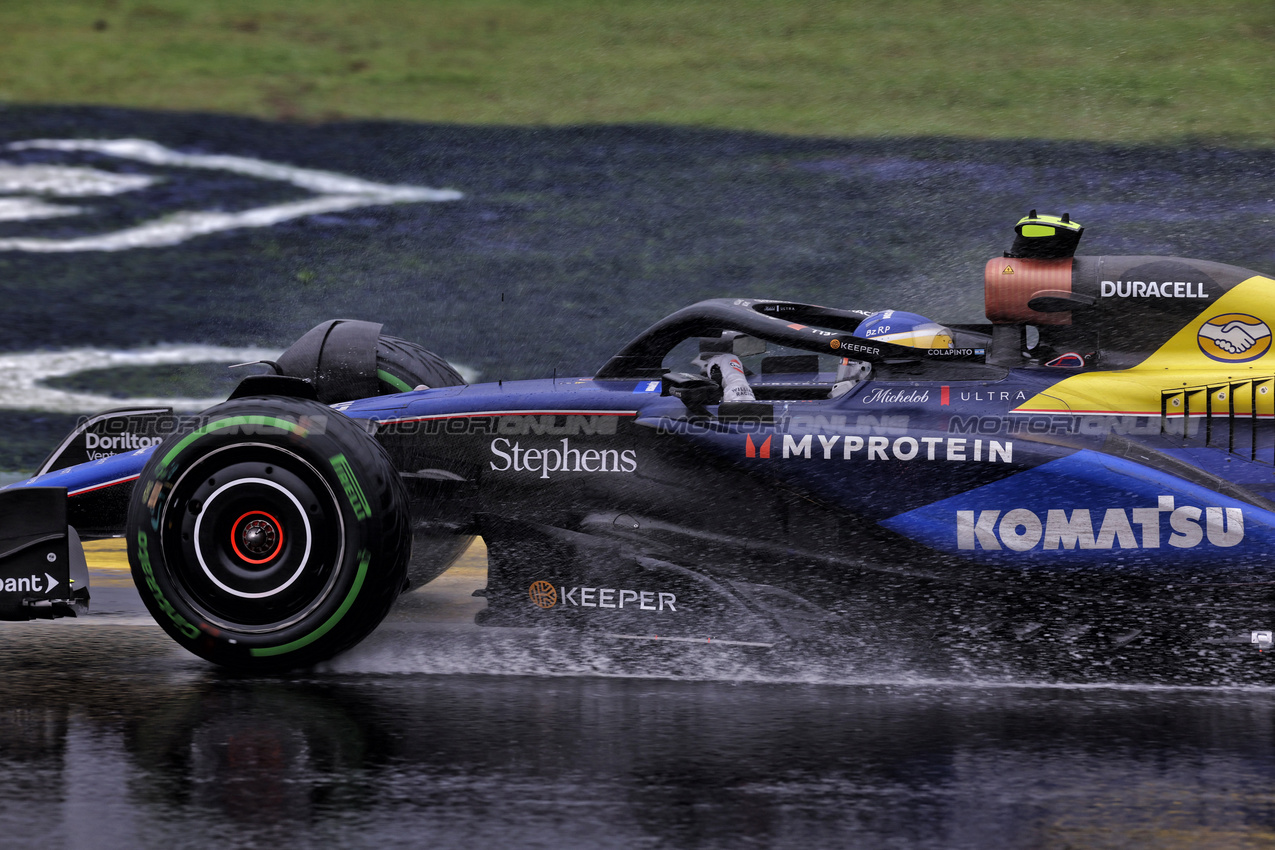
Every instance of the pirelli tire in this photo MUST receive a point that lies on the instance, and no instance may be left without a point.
(273, 535)
(348, 359)
(402, 366)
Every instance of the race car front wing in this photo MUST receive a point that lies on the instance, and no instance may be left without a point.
(43, 573)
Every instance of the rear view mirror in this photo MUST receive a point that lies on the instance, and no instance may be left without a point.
(694, 391)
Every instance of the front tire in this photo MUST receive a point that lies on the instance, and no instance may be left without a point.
(273, 535)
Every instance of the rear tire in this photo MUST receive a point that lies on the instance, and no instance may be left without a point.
(402, 366)
(348, 359)
(274, 535)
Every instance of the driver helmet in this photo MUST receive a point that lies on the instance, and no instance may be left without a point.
(900, 328)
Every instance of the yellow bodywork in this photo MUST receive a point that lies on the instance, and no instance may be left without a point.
(1199, 369)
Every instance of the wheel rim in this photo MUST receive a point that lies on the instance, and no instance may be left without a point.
(261, 535)
(259, 532)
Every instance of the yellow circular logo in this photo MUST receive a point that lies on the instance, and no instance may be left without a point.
(543, 594)
(1234, 338)
(836, 343)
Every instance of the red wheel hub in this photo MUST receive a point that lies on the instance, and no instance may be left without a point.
(256, 537)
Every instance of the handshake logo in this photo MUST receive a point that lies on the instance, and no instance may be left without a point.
(1234, 338)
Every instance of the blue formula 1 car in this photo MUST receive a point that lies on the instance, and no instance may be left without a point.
(1084, 483)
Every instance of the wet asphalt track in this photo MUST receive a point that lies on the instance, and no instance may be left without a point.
(437, 733)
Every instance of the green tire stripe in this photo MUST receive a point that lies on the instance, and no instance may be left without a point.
(350, 484)
(397, 383)
(365, 557)
(229, 422)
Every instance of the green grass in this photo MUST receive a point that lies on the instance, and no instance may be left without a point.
(1124, 70)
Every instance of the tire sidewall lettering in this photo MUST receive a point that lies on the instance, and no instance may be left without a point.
(187, 628)
(327, 455)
